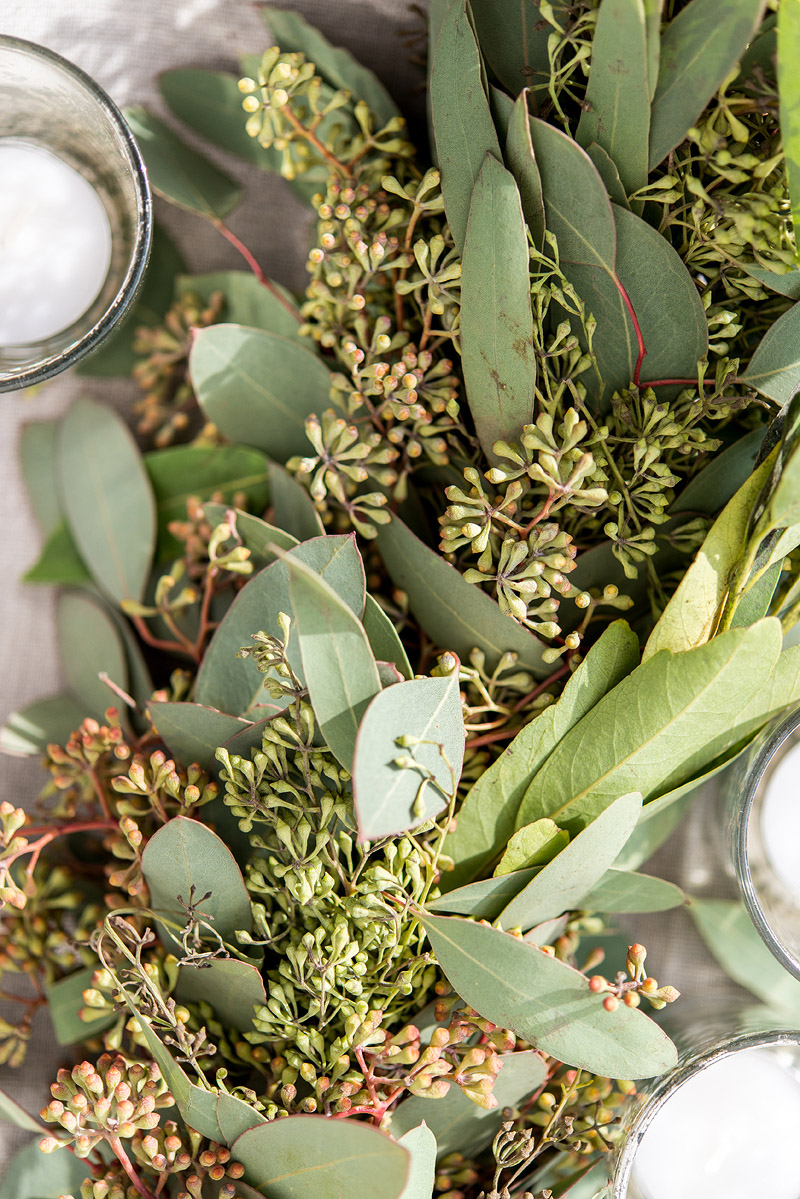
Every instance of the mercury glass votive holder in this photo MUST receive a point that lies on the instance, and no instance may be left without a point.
(57, 118)
(722, 1124)
(763, 815)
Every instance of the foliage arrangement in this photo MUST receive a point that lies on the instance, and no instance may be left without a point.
(358, 760)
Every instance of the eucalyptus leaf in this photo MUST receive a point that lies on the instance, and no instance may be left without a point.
(64, 1002)
(420, 1143)
(608, 172)
(247, 300)
(233, 988)
(691, 616)
(192, 732)
(59, 564)
(235, 1117)
(462, 120)
(340, 671)
(616, 111)
(787, 284)
(774, 369)
(387, 796)
(732, 939)
(43, 1175)
(513, 984)
(89, 644)
(257, 387)
(178, 472)
(12, 1113)
(513, 37)
(729, 469)
(178, 173)
(626, 891)
(653, 11)
(561, 885)
(185, 854)
(384, 639)
(107, 498)
(532, 845)
(488, 816)
(501, 106)
(292, 506)
(115, 354)
(293, 33)
(260, 538)
(44, 722)
(210, 103)
(332, 1157)
(455, 614)
(756, 601)
(458, 1124)
(521, 161)
(485, 898)
(38, 443)
(234, 684)
(698, 52)
(656, 728)
(197, 1106)
(496, 317)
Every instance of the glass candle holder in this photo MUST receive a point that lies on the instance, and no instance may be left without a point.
(763, 801)
(75, 214)
(722, 1124)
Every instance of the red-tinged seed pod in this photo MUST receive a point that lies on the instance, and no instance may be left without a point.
(611, 1003)
(597, 983)
(216, 1173)
(235, 1170)
(207, 1158)
(631, 999)
(223, 1154)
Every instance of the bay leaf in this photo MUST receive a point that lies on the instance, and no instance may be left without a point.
(532, 845)
(179, 174)
(608, 172)
(485, 898)
(59, 564)
(626, 891)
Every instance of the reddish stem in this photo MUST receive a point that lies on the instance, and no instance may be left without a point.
(675, 382)
(637, 330)
(563, 670)
(115, 1144)
(255, 267)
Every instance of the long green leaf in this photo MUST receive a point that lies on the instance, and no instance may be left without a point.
(699, 49)
(616, 113)
(652, 15)
(184, 854)
(288, 1158)
(488, 815)
(516, 986)
(455, 614)
(38, 447)
(666, 714)
(234, 989)
(192, 732)
(774, 369)
(234, 684)
(691, 615)
(731, 937)
(561, 885)
(88, 644)
(43, 1175)
(12, 1113)
(257, 387)
(513, 37)
(496, 318)
(339, 667)
(521, 161)
(626, 891)
(458, 1124)
(384, 639)
(179, 173)
(386, 795)
(462, 120)
(45, 722)
(107, 497)
(484, 899)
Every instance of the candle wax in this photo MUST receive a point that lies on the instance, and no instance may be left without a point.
(780, 821)
(55, 244)
(729, 1132)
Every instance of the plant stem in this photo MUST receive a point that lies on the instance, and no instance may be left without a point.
(115, 1144)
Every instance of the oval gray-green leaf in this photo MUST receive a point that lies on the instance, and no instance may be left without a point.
(234, 684)
(626, 891)
(64, 1003)
(774, 369)
(462, 120)
(496, 318)
(107, 498)
(37, 456)
(45, 1175)
(89, 643)
(247, 300)
(485, 898)
(183, 854)
(210, 103)
(258, 388)
(292, 506)
(421, 1145)
(385, 794)
(731, 937)
(44, 722)
(179, 173)
(455, 614)
(340, 671)
(12, 1113)
(192, 732)
(233, 988)
(488, 816)
(59, 563)
(561, 885)
(516, 986)
(458, 1124)
(331, 1157)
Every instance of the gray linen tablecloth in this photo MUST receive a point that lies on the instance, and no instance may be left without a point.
(124, 44)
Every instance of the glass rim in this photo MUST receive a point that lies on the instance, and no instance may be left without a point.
(756, 767)
(669, 1083)
(55, 363)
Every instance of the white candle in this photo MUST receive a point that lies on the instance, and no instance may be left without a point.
(55, 244)
(729, 1132)
(780, 820)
